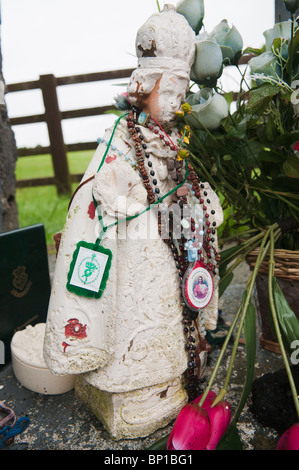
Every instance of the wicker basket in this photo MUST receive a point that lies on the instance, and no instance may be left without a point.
(286, 264)
(286, 271)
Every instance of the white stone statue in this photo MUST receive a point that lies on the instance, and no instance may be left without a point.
(126, 336)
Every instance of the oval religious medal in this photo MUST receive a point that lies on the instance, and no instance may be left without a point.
(198, 287)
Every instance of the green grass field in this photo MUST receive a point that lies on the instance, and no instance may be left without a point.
(42, 204)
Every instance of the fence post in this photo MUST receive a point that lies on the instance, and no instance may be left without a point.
(53, 120)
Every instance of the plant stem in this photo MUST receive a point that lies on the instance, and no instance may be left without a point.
(220, 357)
(241, 313)
(239, 260)
(250, 285)
(250, 242)
(238, 235)
(243, 78)
(229, 189)
(292, 47)
(276, 325)
(206, 173)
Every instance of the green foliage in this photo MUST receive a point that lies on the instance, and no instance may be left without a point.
(230, 440)
(159, 445)
(251, 162)
(250, 159)
(288, 322)
(250, 341)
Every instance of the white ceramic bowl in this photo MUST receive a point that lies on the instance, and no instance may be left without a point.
(30, 369)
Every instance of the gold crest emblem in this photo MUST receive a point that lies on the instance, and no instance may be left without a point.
(20, 282)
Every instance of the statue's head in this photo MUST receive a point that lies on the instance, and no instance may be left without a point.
(165, 47)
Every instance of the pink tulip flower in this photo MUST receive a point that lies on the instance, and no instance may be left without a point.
(208, 400)
(290, 439)
(219, 416)
(200, 428)
(191, 430)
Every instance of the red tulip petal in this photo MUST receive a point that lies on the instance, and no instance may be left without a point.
(208, 400)
(290, 439)
(293, 440)
(219, 417)
(282, 443)
(169, 442)
(191, 430)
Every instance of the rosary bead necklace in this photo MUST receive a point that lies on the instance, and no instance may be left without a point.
(186, 251)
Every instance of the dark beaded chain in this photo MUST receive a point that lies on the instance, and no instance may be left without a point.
(139, 150)
(192, 374)
(211, 227)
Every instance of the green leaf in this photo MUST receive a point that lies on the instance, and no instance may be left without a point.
(292, 62)
(229, 97)
(288, 322)
(270, 156)
(291, 167)
(230, 440)
(271, 129)
(250, 341)
(261, 96)
(255, 51)
(227, 255)
(224, 283)
(288, 139)
(159, 445)
(277, 45)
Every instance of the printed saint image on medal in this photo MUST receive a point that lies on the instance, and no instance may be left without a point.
(89, 270)
(198, 288)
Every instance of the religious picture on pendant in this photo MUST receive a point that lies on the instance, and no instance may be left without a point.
(198, 287)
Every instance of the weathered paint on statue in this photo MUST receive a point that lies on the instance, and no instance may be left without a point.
(127, 343)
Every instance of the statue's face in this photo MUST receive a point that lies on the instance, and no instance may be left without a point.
(159, 93)
(151, 104)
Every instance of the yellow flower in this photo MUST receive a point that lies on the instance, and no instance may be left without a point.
(180, 113)
(182, 154)
(186, 108)
(187, 134)
(187, 128)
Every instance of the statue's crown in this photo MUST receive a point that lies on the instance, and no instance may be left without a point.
(166, 41)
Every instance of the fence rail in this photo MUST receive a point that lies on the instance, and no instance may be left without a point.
(52, 116)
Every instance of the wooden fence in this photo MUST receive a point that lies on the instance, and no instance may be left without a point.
(52, 117)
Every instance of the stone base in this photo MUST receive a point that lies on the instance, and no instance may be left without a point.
(134, 414)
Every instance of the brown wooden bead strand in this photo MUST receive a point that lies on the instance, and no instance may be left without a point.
(139, 155)
(175, 168)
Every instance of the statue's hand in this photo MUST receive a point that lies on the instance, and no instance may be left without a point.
(118, 189)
